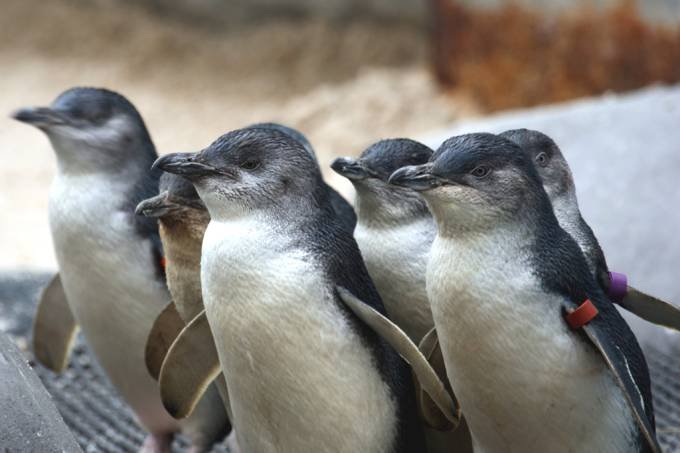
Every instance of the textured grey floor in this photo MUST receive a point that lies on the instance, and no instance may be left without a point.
(100, 421)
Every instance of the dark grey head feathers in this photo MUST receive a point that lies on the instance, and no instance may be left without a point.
(339, 204)
(175, 199)
(293, 133)
(381, 159)
(479, 179)
(377, 200)
(93, 129)
(249, 169)
(548, 159)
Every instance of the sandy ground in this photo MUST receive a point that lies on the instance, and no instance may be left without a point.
(345, 86)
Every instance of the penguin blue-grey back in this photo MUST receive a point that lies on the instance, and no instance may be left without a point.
(502, 274)
(272, 255)
(109, 258)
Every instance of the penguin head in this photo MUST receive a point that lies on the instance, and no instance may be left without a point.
(177, 201)
(369, 174)
(246, 170)
(551, 165)
(479, 179)
(293, 133)
(381, 159)
(91, 127)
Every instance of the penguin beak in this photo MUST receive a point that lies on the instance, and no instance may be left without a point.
(349, 168)
(42, 117)
(415, 177)
(157, 206)
(187, 165)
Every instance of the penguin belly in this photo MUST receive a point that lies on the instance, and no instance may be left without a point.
(396, 259)
(525, 381)
(299, 375)
(112, 288)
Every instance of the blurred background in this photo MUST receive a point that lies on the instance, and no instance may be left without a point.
(599, 76)
(345, 72)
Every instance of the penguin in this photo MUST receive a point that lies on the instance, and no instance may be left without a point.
(394, 230)
(558, 183)
(303, 373)
(341, 207)
(539, 359)
(110, 259)
(182, 221)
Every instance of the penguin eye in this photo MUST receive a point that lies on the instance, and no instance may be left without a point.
(480, 172)
(250, 164)
(542, 159)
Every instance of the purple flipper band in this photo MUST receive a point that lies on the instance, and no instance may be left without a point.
(618, 286)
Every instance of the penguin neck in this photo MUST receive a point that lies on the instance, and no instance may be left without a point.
(568, 214)
(182, 238)
(565, 206)
(381, 206)
(82, 160)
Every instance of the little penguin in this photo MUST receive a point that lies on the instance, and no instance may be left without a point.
(539, 359)
(110, 275)
(182, 220)
(342, 208)
(394, 230)
(303, 373)
(558, 183)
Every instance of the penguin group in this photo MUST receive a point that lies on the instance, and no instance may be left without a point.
(461, 304)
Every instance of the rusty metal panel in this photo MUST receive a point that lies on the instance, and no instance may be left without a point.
(522, 53)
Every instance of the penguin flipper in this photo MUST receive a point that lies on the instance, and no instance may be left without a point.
(426, 377)
(54, 327)
(618, 365)
(434, 418)
(651, 309)
(190, 366)
(164, 331)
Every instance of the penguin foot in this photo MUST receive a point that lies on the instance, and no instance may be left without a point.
(157, 443)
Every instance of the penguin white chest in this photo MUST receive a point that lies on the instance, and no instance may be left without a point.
(396, 258)
(524, 380)
(300, 376)
(111, 284)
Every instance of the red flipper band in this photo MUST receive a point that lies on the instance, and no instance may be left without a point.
(582, 315)
(163, 262)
